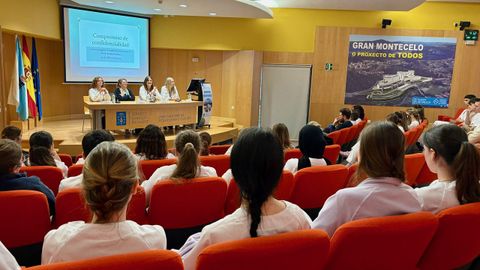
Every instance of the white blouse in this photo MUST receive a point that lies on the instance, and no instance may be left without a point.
(437, 196)
(236, 226)
(71, 182)
(146, 95)
(142, 156)
(79, 240)
(62, 167)
(292, 164)
(97, 96)
(166, 94)
(372, 198)
(7, 261)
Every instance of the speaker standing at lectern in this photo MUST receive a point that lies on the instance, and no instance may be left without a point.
(122, 93)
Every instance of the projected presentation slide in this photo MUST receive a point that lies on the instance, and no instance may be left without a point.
(103, 44)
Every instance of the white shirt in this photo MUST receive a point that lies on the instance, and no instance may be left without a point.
(142, 156)
(166, 94)
(413, 124)
(353, 155)
(437, 196)
(79, 240)
(292, 164)
(463, 115)
(475, 120)
(236, 226)
(7, 261)
(71, 182)
(147, 95)
(80, 161)
(371, 198)
(229, 150)
(96, 95)
(62, 167)
(354, 122)
(165, 172)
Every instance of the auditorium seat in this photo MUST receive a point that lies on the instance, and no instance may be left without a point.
(448, 118)
(220, 163)
(408, 137)
(394, 242)
(361, 126)
(457, 239)
(145, 260)
(305, 250)
(292, 153)
(425, 176)
(70, 206)
(25, 222)
(49, 175)
(67, 159)
(219, 149)
(148, 167)
(413, 165)
(342, 138)
(334, 136)
(331, 153)
(351, 133)
(314, 185)
(75, 170)
(184, 208)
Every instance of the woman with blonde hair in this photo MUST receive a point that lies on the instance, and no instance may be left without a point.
(97, 91)
(110, 179)
(169, 90)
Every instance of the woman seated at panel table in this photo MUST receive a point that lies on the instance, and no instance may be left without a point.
(97, 91)
(148, 91)
(169, 91)
(122, 93)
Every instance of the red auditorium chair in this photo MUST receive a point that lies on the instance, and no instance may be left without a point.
(184, 208)
(219, 149)
(457, 239)
(351, 133)
(342, 138)
(220, 163)
(361, 126)
(425, 176)
(292, 153)
(70, 206)
(334, 136)
(306, 250)
(413, 165)
(148, 167)
(49, 175)
(448, 118)
(331, 153)
(394, 242)
(314, 185)
(67, 159)
(283, 192)
(25, 222)
(75, 170)
(145, 260)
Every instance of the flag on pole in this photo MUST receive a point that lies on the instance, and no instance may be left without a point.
(14, 93)
(32, 104)
(18, 90)
(36, 79)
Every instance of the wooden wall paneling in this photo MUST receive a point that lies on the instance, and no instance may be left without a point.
(3, 89)
(288, 58)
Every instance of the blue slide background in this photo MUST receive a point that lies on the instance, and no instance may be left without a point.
(108, 45)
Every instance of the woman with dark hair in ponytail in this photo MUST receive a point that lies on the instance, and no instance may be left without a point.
(256, 162)
(383, 192)
(457, 164)
(312, 145)
(187, 148)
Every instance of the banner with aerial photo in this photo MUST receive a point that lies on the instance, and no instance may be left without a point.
(400, 70)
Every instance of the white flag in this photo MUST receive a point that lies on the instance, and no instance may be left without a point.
(14, 93)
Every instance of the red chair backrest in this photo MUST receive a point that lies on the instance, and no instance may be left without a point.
(456, 241)
(361, 126)
(220, 163)
(70, 206)
(395, 242)
(219, 149)
(314, 185)
(67, 159)
(306, 250)
(292, 153)
(331, 153)
(232, 201)
(425, 176)
(49, 175)
(148, 167)
(351, 133)
(25, 217)
(145, 260)
(187, 204)
(418, 133)
(458, 112)
(335, 135)
(343, 136)
(413, 165)
(79, 157)
(75, 170)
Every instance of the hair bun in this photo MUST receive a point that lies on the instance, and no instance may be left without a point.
(189, 144)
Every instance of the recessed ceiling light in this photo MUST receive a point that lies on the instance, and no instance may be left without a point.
(212, 13)
(157, 9)
(183, 5)
(109, 2)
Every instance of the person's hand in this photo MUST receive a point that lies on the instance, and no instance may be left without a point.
(103, 90)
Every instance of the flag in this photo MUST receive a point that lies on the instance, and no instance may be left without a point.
(36, 79)
(14, 93)
(18, 90)
(32, 105)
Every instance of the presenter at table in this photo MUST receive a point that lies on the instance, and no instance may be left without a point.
(122, 93)
(169, 91)
(97, 91)
(148, 91)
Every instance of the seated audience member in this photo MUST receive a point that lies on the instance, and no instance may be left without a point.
(109, 180)
(44, 139)
(148, 91)
(472, 120)
(474, 136)
(404, 119)
(15, 134)
(341, 121)
(97, 91)
(354, 117)
(456, 162)
(7, 261)
(470, 110)
(395, 119)
(361, 112)
(169, 90)
(414, 118)
(89, 142)
(187, 146)
(205, 141)
(327, 139)
(41, 156)
(383, 193)
(421, 112)
(122, 93)
(312, 145)
(256, 161)
(12, 179)
(281, 131)
(151, 144)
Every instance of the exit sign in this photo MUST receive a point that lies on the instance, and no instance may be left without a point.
(328, 66)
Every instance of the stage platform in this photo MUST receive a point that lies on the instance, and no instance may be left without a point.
(68, 134)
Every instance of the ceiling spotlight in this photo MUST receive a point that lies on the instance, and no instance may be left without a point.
(212, 13)
(183, 6)
(386, 22)
(109, 2)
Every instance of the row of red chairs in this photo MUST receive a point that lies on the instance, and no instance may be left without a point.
(412, 135)
(422, 240)
(347, 135)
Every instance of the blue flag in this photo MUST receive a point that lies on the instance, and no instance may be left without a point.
(36, 79)
(22, 108)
